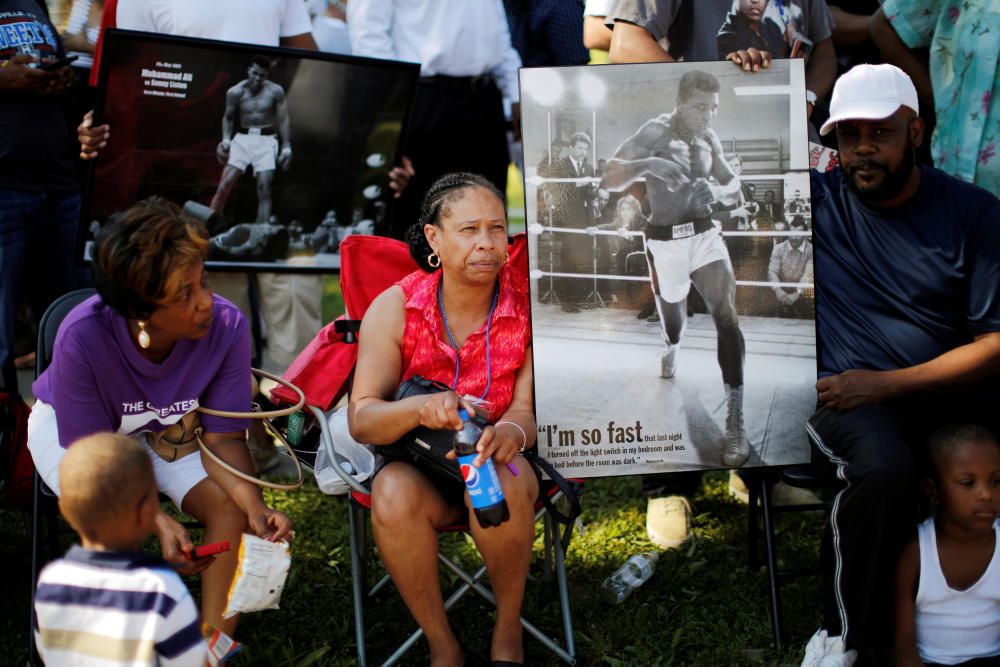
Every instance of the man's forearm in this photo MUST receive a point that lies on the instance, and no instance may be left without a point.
(727, 195)
(596, 35)
(821, 69)
(227, 128)
(285, 128)
(631, 43)
(962, 366)
(852, 29)
(895, 51)
(619, 174)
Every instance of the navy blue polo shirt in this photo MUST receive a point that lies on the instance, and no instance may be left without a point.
(898, 288)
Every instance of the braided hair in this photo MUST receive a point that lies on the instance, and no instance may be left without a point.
(445, 190)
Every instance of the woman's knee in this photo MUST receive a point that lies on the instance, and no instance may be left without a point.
(396, 496)
(213, 507)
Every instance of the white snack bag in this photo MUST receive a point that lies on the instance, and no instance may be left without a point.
(261, 570)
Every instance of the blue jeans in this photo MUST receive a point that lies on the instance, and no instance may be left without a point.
(37, 263)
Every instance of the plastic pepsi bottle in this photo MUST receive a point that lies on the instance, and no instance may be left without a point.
(482, 483)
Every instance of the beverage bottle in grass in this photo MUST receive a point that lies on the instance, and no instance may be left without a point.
(482, 482)
(634, 573)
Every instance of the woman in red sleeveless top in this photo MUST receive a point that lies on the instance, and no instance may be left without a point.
(462, 321)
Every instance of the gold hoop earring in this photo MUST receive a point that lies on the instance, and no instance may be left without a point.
(433, 260)
(143, 335)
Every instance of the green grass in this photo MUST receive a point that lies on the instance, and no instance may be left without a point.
(703, 606)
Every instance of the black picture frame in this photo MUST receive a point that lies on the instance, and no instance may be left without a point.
(165, 98)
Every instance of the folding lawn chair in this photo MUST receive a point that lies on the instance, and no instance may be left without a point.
(369, 265)
(43, 499)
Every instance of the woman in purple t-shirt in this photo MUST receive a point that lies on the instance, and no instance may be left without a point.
(152, 346)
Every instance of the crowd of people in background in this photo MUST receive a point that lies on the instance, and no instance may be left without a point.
(905, 247)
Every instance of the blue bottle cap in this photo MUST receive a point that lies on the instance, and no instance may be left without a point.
(463, 414)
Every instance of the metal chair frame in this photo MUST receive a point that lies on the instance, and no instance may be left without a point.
(762, 510)
(43, 500)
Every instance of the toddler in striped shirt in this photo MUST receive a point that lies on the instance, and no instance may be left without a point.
(106, 602)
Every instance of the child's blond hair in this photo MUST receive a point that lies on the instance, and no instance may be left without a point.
(102, 478)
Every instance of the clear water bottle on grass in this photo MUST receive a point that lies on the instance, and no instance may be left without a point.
(632, 574)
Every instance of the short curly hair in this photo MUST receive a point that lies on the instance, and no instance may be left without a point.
(140, 256)
(944, 442)
(445, 190)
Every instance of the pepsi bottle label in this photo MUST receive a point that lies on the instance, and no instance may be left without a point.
(483, 483)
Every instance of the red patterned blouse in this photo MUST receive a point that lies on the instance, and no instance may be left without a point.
(426, 351)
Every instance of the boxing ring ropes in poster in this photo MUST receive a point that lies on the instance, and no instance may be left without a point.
(281, 152)
(672, 296)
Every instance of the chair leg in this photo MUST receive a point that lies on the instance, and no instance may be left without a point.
(753, 527)
(549, 540)
(560, 567)
(772, 565)
(253, 299)
(356, 525)
(36, 527)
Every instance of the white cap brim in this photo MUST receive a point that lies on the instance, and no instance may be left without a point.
(867, 110)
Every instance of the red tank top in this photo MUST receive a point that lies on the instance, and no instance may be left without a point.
(426, 351)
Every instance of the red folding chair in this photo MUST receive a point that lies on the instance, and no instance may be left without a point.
(369, 265)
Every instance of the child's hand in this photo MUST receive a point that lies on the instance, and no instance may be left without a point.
(175, 542)
(271, 525)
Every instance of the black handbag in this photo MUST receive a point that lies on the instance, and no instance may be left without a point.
(427, 448)
(424, 447)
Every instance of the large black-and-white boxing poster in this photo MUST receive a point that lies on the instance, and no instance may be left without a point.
(281, 152)
(671, 265)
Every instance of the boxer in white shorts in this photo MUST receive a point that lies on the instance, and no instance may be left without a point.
(251, 148)
(263, 138)
(677, 153)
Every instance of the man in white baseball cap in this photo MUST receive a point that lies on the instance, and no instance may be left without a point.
(877, 102)
(870, 92)
(908, 321)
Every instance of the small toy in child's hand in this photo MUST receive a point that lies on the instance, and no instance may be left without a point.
(221, 647)
(206, 550)
(261, 569)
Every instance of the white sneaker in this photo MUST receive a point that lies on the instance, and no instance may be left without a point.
(668, 521)
(737, 448)
(781, 493)
(738, 488)
(668, 362)
(824, 651)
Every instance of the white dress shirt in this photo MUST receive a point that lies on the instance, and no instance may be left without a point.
(598, 7)
(250, 21)
(448, 37)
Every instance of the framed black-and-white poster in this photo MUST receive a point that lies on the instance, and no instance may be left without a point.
(281, 152)
(670, 252)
